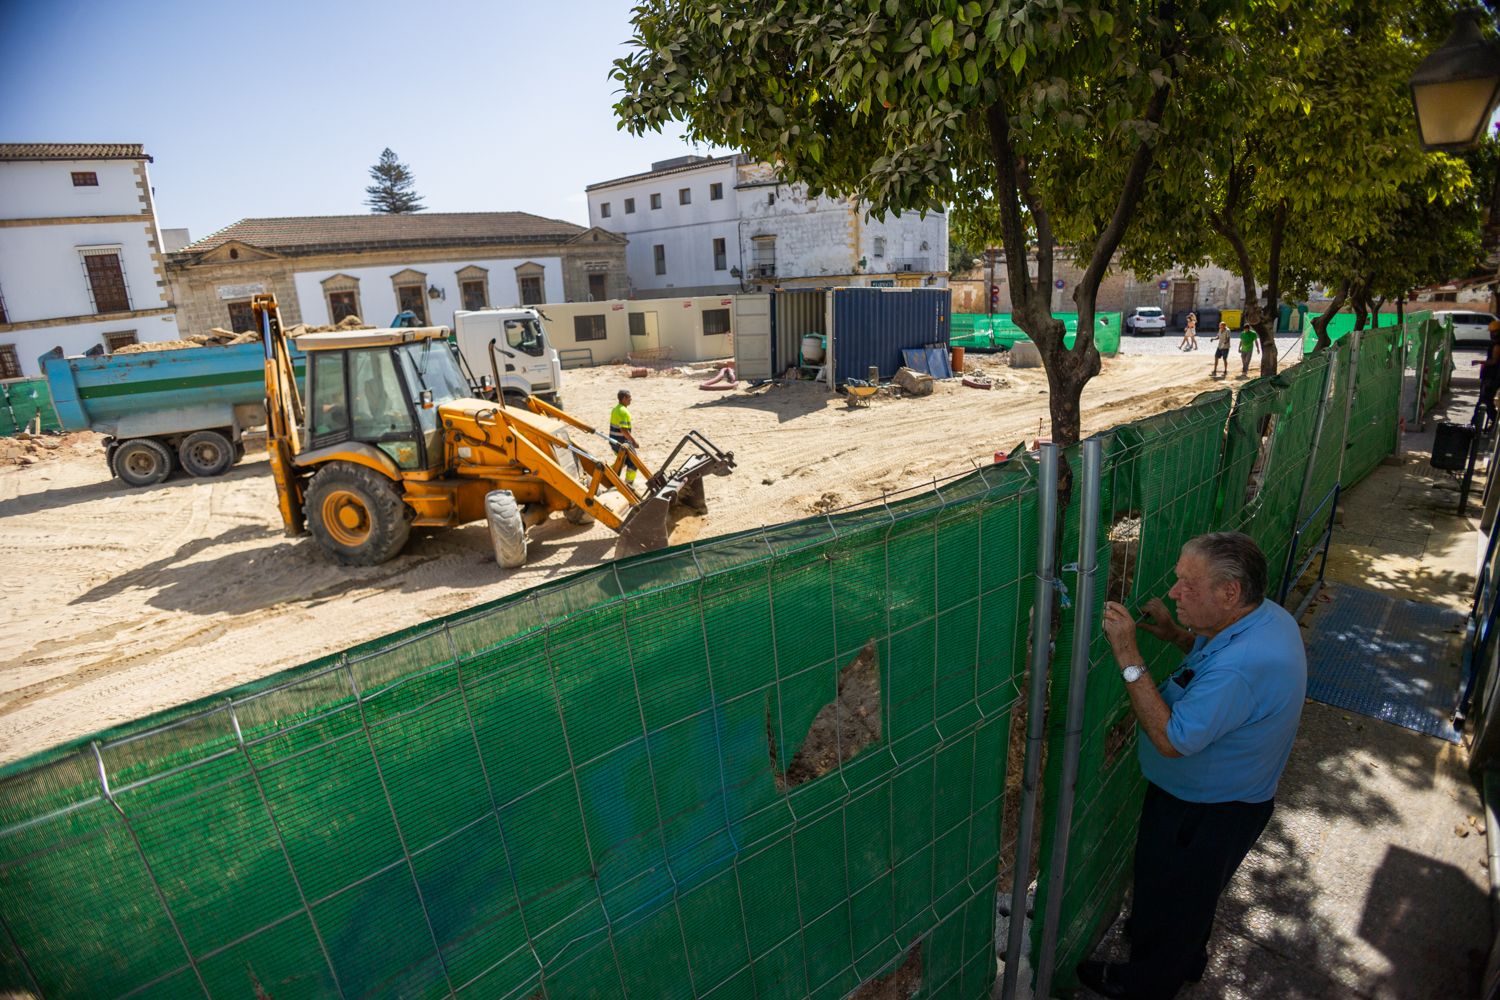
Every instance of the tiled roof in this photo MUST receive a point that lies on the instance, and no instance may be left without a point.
(713, 162)
(322, 233)
(72, 151)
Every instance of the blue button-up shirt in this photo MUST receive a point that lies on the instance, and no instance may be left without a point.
(1235, 719)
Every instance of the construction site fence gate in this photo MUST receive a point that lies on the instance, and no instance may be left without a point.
(774, 764)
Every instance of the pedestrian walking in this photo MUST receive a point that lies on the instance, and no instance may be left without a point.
(1249, 341)
(620, 433)
(1213, 740)
(1221, 351)
(1189, 333)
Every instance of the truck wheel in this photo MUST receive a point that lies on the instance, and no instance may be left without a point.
(507, 531)
(206, 453)
(516, 398)
(142, 462)
(356, 515)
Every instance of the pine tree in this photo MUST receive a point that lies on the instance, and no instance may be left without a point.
(392, 191)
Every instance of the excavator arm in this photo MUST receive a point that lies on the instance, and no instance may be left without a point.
(284, 413)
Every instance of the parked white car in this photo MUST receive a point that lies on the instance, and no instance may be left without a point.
(1146, 319)
(1468, 327)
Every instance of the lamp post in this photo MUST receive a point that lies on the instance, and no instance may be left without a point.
(1455, 88)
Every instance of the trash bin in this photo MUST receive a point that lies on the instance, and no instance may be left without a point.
(1450, 446)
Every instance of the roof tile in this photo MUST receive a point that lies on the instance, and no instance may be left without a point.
(322, 233)
(72, 151)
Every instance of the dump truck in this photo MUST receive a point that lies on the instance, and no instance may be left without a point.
(389, 436)
(160, 410)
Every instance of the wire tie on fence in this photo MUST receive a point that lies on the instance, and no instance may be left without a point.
(1063, 600)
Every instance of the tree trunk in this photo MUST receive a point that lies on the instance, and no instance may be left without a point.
(1361, 303)
(1266, 329)
(1320, 324)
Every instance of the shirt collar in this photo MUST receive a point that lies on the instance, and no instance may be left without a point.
(1228, 634)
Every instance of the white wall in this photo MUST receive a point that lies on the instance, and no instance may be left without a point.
(686, 232)
(377, 297)
(42, 274)
(43, 189)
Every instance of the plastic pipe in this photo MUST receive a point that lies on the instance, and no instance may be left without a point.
(1083, 629)
(1036, 710)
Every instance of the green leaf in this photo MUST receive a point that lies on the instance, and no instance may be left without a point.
(1018, 59)
(971, 72)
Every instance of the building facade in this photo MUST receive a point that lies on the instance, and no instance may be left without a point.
(1120, 291)
(324, 268)
(81, 266)
(702, 225)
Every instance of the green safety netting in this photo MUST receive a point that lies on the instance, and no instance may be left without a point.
(999, 332)
(21, 401)
(1158, 483)
(626, 783)
(1340, 326)
(1322, 477)
(1375, 411)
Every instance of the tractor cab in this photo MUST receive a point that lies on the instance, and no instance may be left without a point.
(382, 388)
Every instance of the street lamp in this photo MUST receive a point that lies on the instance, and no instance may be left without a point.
(1455, 88)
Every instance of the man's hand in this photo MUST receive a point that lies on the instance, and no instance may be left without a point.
(1159, 622)
(1119, 627)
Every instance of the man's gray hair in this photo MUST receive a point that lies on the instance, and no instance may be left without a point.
(1232, 556)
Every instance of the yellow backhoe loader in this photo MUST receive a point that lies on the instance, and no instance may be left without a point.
(390, 435)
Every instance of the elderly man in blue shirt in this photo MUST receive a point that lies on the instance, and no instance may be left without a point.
(1214, 739)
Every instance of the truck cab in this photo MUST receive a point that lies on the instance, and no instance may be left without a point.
(511, 344)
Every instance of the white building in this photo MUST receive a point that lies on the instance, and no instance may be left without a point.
(80, 253)
(701, 225)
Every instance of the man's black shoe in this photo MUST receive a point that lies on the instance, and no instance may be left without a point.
(1099, 977)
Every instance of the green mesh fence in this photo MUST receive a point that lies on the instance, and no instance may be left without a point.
(1158, 490)
(21, 401)
(1375, 410)
(1437, 362)
(997, 332)
(769, 765)
(1322, 474)
(1340, 326)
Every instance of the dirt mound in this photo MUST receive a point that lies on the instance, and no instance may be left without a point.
(219, 337)
(29, 449)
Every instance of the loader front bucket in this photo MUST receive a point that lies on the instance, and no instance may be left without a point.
(647, 526)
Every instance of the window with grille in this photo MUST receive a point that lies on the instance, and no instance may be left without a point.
(588, 328)
(114, 341)
(106, 281)
(10, 365)
(716, 192)
(410, 298)
(531, 289)
(342, 305)
(85, 179)
(763, 261)
(659, 255)
(475, 294)
(721, 257)
(715, 322)
(241, 319)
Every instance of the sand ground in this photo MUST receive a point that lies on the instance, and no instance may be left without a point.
(123, 602)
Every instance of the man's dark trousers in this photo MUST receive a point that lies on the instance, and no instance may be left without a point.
(1185, 854)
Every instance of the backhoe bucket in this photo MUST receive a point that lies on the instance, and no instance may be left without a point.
(648, 524)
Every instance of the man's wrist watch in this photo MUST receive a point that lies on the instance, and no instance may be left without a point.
(1133, 673)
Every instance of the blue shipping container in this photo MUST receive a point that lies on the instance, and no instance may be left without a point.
(872, 326)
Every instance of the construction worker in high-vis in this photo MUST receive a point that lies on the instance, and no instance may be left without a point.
(619, 431)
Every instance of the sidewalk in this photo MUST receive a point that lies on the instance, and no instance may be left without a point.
(1371, 879)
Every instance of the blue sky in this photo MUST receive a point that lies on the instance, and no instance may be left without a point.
(280, 108)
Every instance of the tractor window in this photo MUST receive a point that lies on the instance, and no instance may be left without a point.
(431, 365)
(380, 411)
(523, 335)
(329, 412)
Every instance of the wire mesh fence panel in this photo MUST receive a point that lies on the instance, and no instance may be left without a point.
(1437, 368)
(1159, 489)
(1375, 410)
(1268, 446)
(770, 765)
(1330, 428)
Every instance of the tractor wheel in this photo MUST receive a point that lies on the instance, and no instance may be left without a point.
(507, 530)
(142, 462)
(206, 453)
(356, 515)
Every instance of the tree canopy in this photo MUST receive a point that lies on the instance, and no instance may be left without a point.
(394, 191)
(1168, 131)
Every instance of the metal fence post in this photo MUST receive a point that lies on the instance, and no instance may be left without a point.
(1036, 710)
(1083, 629)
